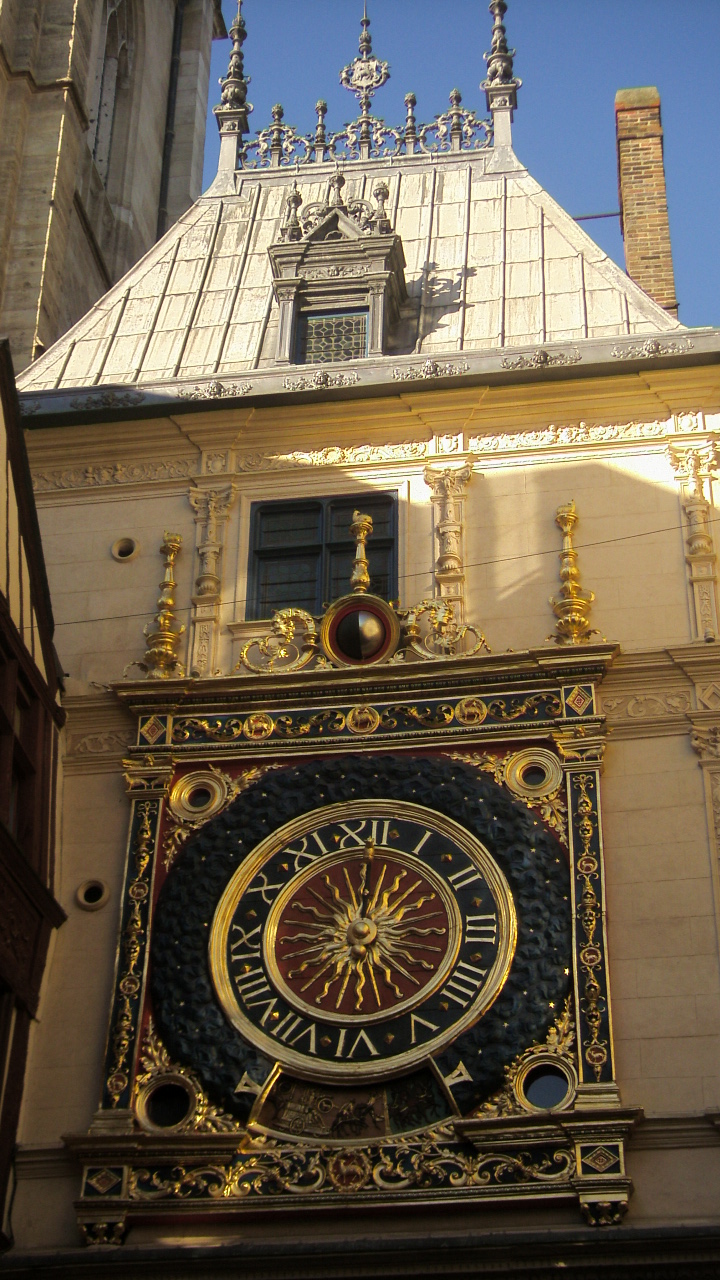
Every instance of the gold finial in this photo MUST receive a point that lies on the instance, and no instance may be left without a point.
(361, 529)
(163, 635)
(572, 608)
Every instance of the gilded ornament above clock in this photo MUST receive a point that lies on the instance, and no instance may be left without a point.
(361, 629)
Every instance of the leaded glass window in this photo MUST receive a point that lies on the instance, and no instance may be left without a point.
(302, 552)
(336, 335)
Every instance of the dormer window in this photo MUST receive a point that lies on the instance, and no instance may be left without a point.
(338, 276)
(323, 338)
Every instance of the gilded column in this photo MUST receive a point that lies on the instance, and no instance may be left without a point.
(447, 487)
(694, 468)
(212, 508)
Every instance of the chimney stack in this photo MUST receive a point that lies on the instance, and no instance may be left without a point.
(643, 198)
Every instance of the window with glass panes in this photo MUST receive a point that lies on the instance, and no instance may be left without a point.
(337, 335)
(302, 551)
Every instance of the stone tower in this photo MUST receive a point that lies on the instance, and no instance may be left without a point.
(102, 124)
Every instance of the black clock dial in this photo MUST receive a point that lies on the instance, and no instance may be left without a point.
(360, 938)
(522, 871)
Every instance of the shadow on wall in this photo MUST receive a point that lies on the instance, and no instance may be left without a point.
(629, 540)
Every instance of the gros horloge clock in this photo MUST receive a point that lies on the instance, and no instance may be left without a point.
(359, 920)
(360, 938)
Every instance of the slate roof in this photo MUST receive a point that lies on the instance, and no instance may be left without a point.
(492, 262)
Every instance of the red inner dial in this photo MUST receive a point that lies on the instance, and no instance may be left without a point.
(362, 935)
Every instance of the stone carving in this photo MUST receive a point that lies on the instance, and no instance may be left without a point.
(581, 433)
(321, 379)
(334, 455)
(337, 273)
(645, 706)
(694, 467)
(114, 473)
(212, 508)
(447, 486)
(108, 400)
(541, 359)
(652, 347)
(430, 369)
(215, 390)
(706, 741)
(101, 743)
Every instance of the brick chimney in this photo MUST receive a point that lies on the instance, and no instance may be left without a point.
(643, 199)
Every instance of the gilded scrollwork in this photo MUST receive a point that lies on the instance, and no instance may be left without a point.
(446, 638)
(180, 826)
(552, 807)
(593, 1002)
(559, 1044)
(156, 1065)
(292, 643)
(266, 1167)
(132, 946)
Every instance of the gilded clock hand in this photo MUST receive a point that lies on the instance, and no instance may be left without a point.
(365, 877)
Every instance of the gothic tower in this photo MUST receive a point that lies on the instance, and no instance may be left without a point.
(102, 128)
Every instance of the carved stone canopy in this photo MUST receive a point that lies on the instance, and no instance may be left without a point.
(338, 257)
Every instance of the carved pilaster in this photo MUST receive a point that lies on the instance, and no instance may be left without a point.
(694, 468)
(447, 486)
(705, 740)
(212, 508)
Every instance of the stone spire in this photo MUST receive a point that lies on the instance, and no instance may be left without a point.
(233, 109)
(502, 84)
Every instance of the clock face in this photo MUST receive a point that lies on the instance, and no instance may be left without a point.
(361, 938)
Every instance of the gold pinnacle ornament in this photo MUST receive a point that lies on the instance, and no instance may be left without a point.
(572, 608)
(361, 529)
(163, 635)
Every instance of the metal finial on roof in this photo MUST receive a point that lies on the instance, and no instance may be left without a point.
(233, 98)
(365, 73)
(500, 58)
(501, 84)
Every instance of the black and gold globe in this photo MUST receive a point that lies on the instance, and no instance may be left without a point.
(359, 630)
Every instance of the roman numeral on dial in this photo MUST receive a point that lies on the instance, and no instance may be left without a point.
(464, 984)
(481, 928)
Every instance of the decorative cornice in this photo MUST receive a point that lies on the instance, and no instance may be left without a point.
(335, 456)
(322, 378)
(430, 369)
(216, 390)
(651, 348)
(542, 359)
(114, 473)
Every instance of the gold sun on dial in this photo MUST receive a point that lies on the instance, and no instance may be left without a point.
(361, 934)
(361, 938)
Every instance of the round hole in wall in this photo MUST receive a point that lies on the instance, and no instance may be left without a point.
(199, 798)
(125, 549)
(168, 1105)
(199, 795)
(533, 773)
(534, 776)
(546, 1086)
(92, 895)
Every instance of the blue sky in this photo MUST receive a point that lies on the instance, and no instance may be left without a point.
(571, 56)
